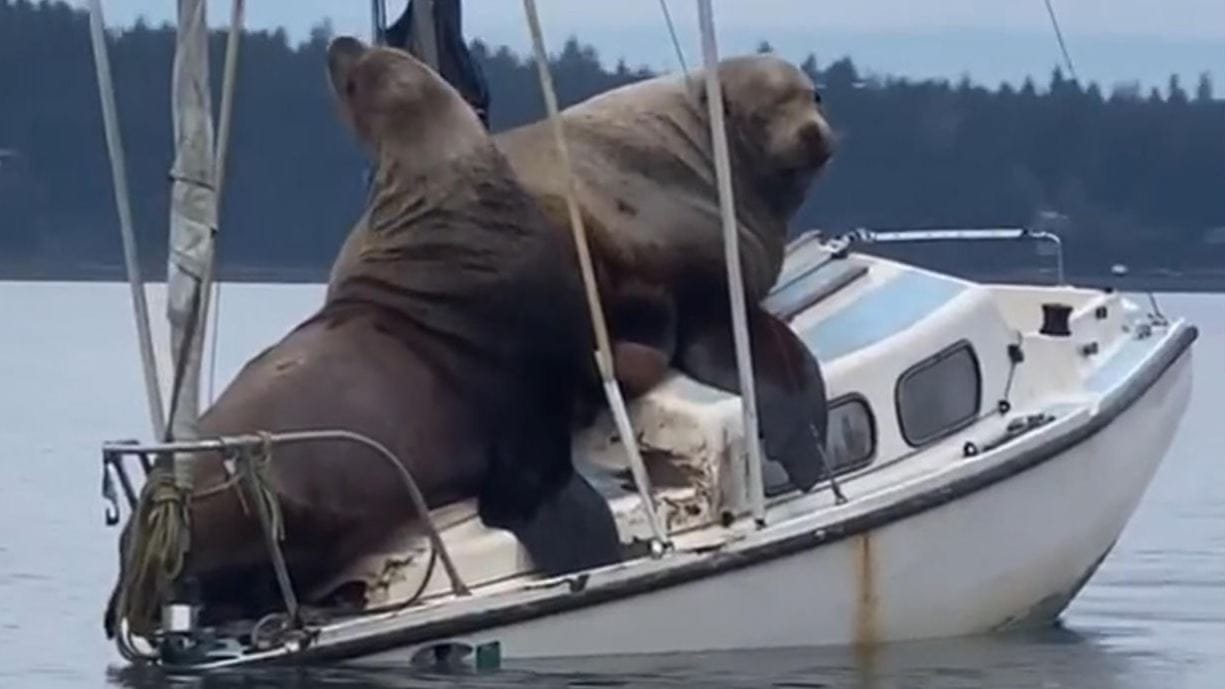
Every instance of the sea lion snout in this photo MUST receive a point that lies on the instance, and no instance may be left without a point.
(817, 140)
(780, 109)
(393, 99)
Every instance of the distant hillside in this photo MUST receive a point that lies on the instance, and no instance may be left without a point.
(1139, 177)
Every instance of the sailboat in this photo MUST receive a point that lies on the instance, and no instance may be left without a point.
(988, 445)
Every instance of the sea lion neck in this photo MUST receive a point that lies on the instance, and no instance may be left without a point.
(435, 237)
(411, 182)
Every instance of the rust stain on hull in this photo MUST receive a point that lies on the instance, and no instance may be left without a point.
(867, 602)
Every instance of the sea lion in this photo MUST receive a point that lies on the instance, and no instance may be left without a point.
(644, 165)
(455, 337)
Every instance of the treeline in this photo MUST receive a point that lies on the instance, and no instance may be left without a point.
(1137, 178)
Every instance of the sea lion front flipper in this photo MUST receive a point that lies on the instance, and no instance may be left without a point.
(642, 325)
(571, 531)
(791, 404)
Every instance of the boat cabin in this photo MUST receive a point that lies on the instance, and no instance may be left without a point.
(921, 369)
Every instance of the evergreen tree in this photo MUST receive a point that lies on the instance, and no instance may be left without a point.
(1137, 178)
(1203, 91)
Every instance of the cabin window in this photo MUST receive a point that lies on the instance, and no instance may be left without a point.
(852, 434)
(939, 395)
(851, 442)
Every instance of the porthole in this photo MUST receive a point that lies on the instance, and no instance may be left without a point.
(939, 395)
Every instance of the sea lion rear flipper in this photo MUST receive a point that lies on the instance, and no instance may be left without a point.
(571, 531)
(791, 404)
(532, 489)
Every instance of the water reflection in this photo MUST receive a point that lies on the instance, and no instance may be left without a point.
(1049, 659)
(1152, 617)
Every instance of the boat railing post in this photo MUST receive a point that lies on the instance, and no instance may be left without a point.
(603, 354)
(1054, 239)
(865, 235)
(744, 361)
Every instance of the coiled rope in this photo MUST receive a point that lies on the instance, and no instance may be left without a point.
(161, 536)
(161, 539)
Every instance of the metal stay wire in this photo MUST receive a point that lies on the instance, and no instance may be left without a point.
(744, 361)
(114, 144)
(603, 354)
(237, 10)
(378, 21)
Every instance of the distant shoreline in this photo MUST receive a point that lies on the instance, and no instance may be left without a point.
(1157, 280)
(117, 273)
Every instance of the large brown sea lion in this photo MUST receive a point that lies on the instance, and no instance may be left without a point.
(643, 159)
(456, 337)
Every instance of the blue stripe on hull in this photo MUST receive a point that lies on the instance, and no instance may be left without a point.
(880, 314)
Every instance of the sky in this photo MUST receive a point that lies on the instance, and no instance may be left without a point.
(1110, 41)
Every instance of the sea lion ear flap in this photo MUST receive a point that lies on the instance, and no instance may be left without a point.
(343, 53)
(697, 87)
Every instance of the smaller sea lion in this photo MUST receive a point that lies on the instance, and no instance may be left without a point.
(646, 186)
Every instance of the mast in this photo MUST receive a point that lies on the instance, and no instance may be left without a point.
(193, 214)
(378, 21)
(425, 32)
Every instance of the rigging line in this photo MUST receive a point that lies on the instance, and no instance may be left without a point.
(221, 154)
(676, 43)
(603, 353)
(119, 177)
(378, 19)
(731, 256)
(1050, 10)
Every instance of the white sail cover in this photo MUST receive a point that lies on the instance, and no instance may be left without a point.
(193, 213)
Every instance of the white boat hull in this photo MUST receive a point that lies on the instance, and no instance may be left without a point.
(994, 521)
(1012, 553)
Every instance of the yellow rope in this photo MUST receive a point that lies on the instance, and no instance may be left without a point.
(254, 472)
(161, 535)
(154, 559)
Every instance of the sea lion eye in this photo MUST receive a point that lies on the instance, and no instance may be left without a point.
(816, 96)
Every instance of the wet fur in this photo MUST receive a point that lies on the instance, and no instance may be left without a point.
(648, 194)
(452, 333)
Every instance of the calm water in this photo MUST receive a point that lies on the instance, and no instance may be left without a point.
(1153, 617)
